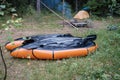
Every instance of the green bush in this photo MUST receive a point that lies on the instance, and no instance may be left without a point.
(6, 8)
(104, 7)
(22, 6)
(13, 23)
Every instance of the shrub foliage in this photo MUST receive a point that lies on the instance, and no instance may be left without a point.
(104, 7)
(98, 7)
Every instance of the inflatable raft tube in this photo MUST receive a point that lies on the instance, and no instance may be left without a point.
(54, 46)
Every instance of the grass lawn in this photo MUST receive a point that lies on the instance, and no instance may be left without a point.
(101, 65)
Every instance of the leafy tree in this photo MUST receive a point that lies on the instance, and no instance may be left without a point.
(6, 8)
(104, 7)
(98, 7)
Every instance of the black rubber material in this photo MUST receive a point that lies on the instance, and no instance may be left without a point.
(57, 42)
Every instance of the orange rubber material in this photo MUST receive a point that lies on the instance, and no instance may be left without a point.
(32, 54)
(49, 54)
(92, 49)
(13, 45)
(70, 53)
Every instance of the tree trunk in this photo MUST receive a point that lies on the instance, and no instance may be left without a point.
(38, 6)
(76, 5)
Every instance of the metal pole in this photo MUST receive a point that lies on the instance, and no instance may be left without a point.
(59, 15)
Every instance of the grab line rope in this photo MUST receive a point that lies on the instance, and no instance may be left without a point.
(5, 75)
(34, 54)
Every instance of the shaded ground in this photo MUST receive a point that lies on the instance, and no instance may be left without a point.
(24, 69)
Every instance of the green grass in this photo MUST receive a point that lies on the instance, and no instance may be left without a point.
(101, 65)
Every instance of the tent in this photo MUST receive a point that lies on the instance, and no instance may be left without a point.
(82, 15)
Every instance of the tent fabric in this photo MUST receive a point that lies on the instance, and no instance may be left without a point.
(82, 15)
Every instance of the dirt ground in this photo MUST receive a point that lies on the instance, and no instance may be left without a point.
(33, 30)
(17, 69)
